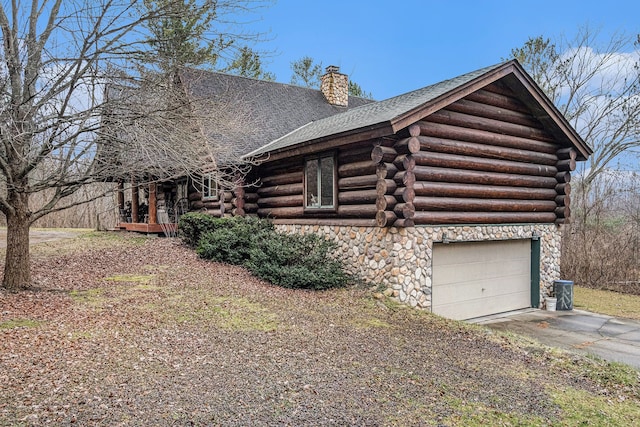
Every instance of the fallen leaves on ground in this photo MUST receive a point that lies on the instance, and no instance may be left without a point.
(148, 334)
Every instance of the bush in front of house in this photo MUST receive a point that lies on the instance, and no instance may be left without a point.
(297, 261)
(193, 225)
(291, 261)
(232, 239)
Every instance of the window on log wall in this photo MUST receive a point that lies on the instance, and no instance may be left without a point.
(209, 187)
(320, 182)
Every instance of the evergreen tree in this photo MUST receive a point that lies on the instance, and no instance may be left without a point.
(248, 63)
(306, 72)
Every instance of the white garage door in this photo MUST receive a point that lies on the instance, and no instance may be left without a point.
(481, 278)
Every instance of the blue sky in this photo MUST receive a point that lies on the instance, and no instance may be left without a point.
(392, 47)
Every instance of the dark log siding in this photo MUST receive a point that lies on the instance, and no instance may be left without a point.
(237, 202)
(280, 191)
(228, 203)
(482, 159)
(198, 204)
(384, 154)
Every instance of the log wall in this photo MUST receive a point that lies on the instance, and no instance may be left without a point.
(482, 159)
(222, 206)
(280, 191)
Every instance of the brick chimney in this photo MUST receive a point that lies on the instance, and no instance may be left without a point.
(335, 86)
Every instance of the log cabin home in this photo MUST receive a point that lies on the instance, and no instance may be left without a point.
(451, 196)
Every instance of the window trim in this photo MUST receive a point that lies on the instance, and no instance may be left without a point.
(318, 158)
(209, 179)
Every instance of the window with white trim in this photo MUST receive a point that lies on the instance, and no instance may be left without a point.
(209, 187)
(320, 183)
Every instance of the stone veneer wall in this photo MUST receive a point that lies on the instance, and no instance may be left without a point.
(400, 258)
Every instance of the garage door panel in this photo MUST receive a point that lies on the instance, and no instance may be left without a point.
(478, 251)
(492, 306)
(481, 278)
(475, 289)
(477, 271)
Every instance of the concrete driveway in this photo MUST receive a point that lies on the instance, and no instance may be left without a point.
(610, 338)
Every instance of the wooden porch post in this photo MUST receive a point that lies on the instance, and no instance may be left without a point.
(120, 195)
(238, 200)
(134, 200)
(153, 203)
(121, 217)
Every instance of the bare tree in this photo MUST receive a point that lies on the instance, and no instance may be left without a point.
(182, 124)
(159, 132)
(600, 247)
(595, 85)
(55, 61)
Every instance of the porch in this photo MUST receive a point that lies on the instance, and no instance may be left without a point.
(148, 228)
(160, 213)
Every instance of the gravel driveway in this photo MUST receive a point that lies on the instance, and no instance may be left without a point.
(41, 235)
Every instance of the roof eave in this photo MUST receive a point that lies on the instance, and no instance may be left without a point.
(327, 142)
(264, 149)
(548, 113)
(412, 116)
(538, 102)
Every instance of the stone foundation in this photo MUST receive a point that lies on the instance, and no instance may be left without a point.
(400, 258)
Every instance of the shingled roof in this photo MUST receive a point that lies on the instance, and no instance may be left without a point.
(369, 114)
(391, 115)
(244, 114)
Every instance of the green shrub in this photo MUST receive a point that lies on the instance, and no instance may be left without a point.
(291, 261)
(193, 225)
(297, 261)
(231, 241)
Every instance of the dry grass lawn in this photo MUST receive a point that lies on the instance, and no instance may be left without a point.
(607, 302)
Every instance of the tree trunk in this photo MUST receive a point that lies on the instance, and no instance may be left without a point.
(17, 274)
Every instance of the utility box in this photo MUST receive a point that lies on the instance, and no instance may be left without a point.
(563, 290)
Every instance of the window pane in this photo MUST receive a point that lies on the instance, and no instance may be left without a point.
(205, 186)
(209, 187)
(213, 187)
(326, 170)
(312, 184)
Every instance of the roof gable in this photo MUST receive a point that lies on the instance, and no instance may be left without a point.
(387, 117)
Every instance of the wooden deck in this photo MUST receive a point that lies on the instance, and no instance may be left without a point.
(141, 227)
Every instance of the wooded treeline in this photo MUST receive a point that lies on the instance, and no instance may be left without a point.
(601, 245)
